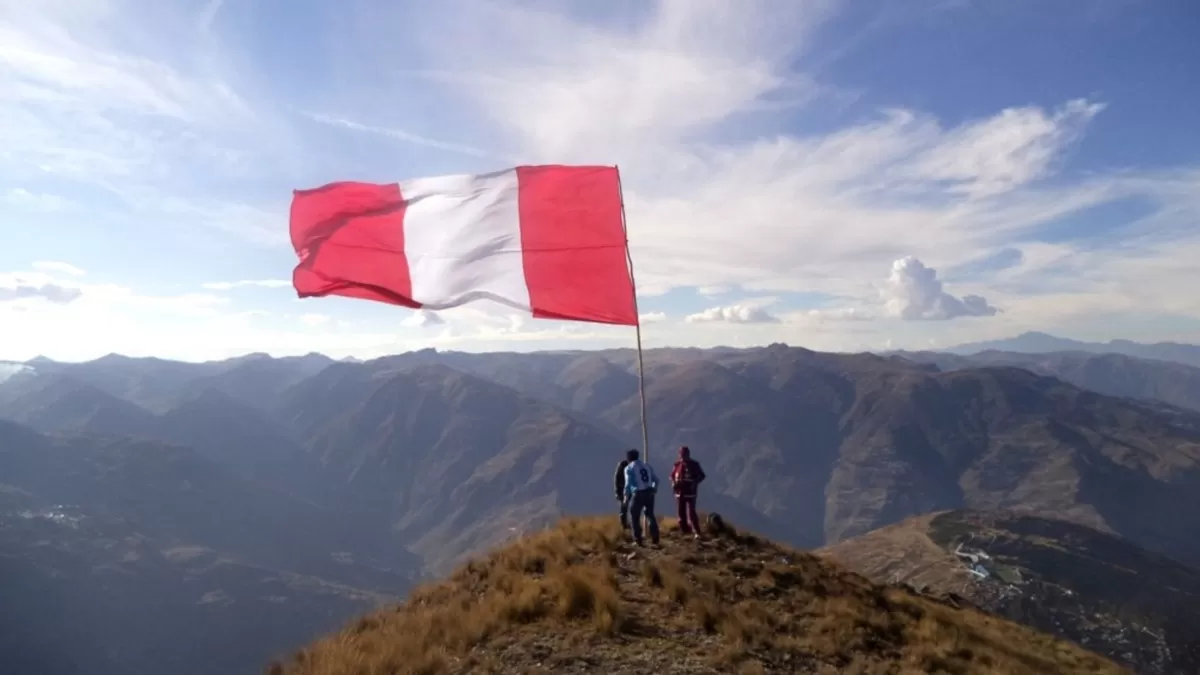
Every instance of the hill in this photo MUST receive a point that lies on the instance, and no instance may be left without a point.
(1112, 374)
(1136, 607)
(1034, 342)
(577, 598)
(128, 555)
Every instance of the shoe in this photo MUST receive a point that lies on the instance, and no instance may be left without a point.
(639, 542)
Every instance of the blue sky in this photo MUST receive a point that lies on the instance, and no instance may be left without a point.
(840, 174)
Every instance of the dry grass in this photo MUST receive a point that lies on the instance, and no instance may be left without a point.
(579, 599)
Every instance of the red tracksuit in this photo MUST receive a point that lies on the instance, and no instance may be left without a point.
(686, 477)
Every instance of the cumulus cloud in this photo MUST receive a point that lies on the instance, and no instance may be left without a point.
(423, 318)
(652, 317)
(914, 293)
(733, 314)
(48, 291)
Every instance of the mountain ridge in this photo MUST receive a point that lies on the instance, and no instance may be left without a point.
(1036, 342)
(844, 443)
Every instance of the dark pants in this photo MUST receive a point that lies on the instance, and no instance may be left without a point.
(688, 520)
(643, 502)
(624, 512)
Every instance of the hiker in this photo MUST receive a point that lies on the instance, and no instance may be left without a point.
(686, 477)
(641, 484)
(619, 490)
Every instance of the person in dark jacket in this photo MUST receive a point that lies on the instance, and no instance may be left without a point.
(619, 489)
(686, 477)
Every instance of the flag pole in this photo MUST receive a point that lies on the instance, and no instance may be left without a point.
(637, 324)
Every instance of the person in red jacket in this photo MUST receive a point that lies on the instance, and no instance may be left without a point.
(686, 477)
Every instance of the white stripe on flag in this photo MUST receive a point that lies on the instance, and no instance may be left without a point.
(462, 239)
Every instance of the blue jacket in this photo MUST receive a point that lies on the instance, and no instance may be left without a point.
(639, 476)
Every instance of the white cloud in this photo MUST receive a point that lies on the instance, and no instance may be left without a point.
(1009, 150)
(399, 135)
(77, 102)
(261, 283)
(423, 318)
(833, 314)
(652, 317)
(88, 302)
(769, 211)
(702, 103)
(25, 200)
(312, 319)
(913, 292)
(733, 314)
(15, 289)
(54, 266)
(136, 102)
(553, 81)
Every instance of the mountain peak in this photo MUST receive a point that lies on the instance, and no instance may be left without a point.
(114, 358)
(578, 598)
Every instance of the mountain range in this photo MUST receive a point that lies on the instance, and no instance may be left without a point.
(1038, 343)
(363, 476)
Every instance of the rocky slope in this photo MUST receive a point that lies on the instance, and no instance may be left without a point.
(1136, 607)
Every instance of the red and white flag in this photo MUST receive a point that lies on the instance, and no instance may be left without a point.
(549, 240)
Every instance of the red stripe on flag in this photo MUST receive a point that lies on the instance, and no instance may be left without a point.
(350, 239)
(573, 240)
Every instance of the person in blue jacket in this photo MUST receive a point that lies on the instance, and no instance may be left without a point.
(641, 485)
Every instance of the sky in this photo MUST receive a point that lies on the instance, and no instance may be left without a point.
(842, 175)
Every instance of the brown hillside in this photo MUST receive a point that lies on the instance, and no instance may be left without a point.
(1091, 587)
(577, 599)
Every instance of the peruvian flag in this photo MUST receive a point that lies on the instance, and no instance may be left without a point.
(549, 240)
